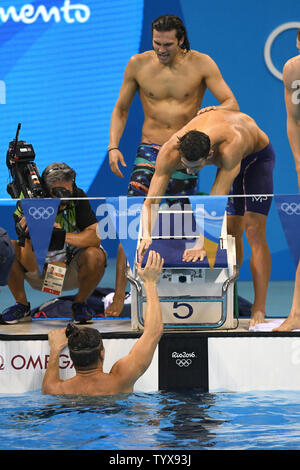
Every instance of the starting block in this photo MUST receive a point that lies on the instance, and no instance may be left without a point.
(192, 295)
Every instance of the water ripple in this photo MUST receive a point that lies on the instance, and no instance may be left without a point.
(166, 420)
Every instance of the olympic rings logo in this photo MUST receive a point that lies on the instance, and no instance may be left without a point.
(183, 359)
(268, 45)
(41, 212)
(290, 209)
(183, 362)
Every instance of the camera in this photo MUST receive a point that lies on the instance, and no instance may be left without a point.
(27, 183)
(26, 180)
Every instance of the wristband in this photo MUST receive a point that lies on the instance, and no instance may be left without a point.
(112, 148)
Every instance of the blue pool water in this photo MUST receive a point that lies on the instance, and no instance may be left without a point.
(161, 420)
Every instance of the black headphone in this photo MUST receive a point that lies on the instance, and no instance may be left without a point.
(66, 171)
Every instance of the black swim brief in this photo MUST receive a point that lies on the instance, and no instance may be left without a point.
(255, 177)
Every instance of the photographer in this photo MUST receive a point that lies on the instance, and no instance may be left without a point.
(74, 242)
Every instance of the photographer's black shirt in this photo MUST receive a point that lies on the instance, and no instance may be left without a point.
(80, 214)
(84, 214)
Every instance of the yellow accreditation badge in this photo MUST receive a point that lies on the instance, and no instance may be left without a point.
(54, 278)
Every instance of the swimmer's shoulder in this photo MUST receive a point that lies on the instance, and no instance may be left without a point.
(200, 59)
(292, 62)
(142, 58)
(291, 71)
(137, 63)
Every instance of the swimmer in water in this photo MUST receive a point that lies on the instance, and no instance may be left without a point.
(87, 351)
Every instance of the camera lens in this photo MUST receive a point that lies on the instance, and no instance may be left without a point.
(61, 192)
(182, 279)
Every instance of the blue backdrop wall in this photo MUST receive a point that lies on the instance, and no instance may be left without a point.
(62, 65)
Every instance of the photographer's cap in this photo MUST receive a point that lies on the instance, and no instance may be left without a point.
(7, 256)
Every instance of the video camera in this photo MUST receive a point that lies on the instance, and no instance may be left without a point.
(26, 183)
(26, 180)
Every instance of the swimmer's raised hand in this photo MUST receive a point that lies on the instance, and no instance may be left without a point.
(152, 270)
(57, 339)
(116, 157)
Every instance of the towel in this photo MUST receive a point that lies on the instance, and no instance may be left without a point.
(268, 326)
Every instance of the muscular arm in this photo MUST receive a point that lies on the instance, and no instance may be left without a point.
(291, 80)
(166, 163)
(131, 367)
(52, 384)
(88, 237)
(121, 109)
(120, 115)
(218, 87)
(158, 187)
(231, 156)
(224, 180)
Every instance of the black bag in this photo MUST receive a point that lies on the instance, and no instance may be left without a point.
(61, 307)
(7, 256)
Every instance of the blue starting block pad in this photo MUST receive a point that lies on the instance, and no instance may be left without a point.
(172, 250)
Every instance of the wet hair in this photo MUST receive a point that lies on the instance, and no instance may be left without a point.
(57, 172)
(85, 345)
(169, 23)
(194, 145)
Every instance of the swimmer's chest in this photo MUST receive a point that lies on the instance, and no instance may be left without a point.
(158, 84)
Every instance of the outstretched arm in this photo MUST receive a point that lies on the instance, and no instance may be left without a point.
(224, 180)
(221, 186)
(231, 155)
(52, 384)
(166, 163)
(128, 369)
(150, 209)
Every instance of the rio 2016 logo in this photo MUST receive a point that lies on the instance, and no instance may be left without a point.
(28, 13)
